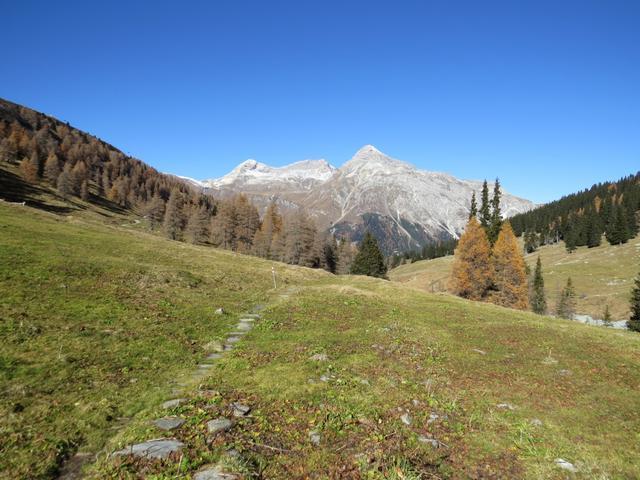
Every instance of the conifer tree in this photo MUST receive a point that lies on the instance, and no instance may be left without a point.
(28, 171)
(64, 184)
(84, 190)
(155, 211)
(330, 255)
(369, 259)
(471, 274)
(485, 208)
(634, 321)
(197, 229)
(606, 317)
(52, 168)
(173, 220)
(509, 272)
(495, 222)
(566, 307)
(473, 210)
(592, 227)
(538, 298)
(346, 254)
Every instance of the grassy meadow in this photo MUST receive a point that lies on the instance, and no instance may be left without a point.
(602, 275)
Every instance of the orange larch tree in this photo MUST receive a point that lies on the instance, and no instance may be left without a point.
(509, 271)
(472, 272)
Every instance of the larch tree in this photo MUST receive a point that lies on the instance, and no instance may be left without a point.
(197, 229)
(52, 168)
(247, 223)
(472, 272)
(64, 184)
(538, 297)
(509, 272)
(369, 259)
(154, 211)
(28, 170)
(634, 320)
(346, 254)
(173, 219)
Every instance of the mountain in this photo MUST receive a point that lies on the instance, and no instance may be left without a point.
(403, 206)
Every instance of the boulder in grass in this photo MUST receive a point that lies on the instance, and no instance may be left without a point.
(157, 449)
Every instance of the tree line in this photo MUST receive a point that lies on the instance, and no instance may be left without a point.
(79, 165)
(581, 219)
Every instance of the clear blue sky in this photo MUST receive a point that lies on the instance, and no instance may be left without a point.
(543, 94)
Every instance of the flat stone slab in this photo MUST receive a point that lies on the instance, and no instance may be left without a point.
(158, 449)
(244, 326)
(314, 437)
(563, 464)
(173, 403)
(240, 410)
(168, 423)
(429, 441)
(214, 356)
(219, 425)
(233, 339)
(213, 472)
(319, 357)
(204, 366)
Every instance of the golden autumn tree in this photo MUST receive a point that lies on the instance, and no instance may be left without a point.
(509, 271)
(471, 275)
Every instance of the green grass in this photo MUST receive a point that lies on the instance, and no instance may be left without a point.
(602, 276)
(99, 321)
(95, 323)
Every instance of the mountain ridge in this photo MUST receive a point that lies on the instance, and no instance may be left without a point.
(405, 207)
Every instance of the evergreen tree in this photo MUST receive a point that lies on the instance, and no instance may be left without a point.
(634, 321)
(330, 255)
(485, 208)
(473, 210)
(606, 317)
(173, 220)
(495, 222)
(471, 273)
(369, 260)
(566, 307)
(592, 227)
(538, 298)
(509, 273)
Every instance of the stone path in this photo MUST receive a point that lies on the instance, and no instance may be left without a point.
(164, 447)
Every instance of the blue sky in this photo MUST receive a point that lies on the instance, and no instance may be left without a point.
(545, 95)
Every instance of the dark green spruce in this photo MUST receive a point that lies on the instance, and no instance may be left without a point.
(369, 259)
(538, 300)
(634, 321)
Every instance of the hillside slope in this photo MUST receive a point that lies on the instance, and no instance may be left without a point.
(601, 275)
(101, 322)
(98, 322)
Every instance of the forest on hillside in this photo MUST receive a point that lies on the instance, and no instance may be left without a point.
(78, 166)
(581, 219)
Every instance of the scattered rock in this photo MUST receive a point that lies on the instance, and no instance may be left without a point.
(219, 311)
(314, 437)
(173, 403)
(213, 346)
(168, 423)
(536, 422)
(481, 352)
(549, 360)
(219, 425)
(319, 357)
(505, 406)
(240, 410)
(431, 441)
(364, 381)
(406, 418)
(416, 403)
(561, 463)
(159, 448)
(433, 417)
(233, 339)
(213, 472)
(324, 378)
(565, 373)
